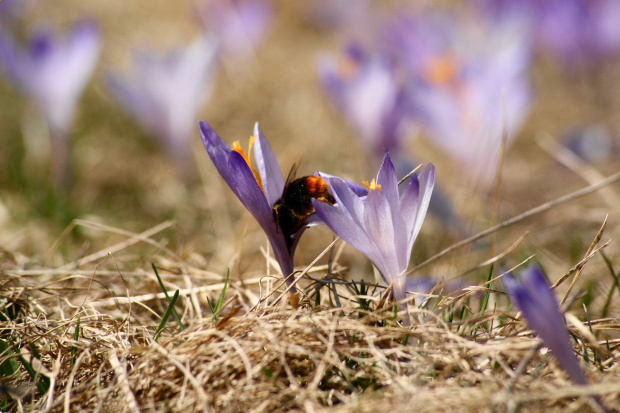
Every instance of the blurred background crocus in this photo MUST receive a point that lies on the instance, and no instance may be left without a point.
(240, 26)
(578, 34)
(363, 88)
(468, 84)
(165, 92)
(52, 72)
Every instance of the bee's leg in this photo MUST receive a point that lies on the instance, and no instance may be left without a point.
(325, 199)
(276, 216)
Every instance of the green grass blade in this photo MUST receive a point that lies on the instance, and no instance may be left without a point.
(615, 284)
(220, 300)
(9, 366)
(76, 337)
(42, 382)
(487, 293)
(163, 288)
(164, 319)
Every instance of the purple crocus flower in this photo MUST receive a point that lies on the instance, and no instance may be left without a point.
(540, 308)
(468, 84)
(363, 87)
(259, 189)
(53, 71)
(165, 92)
(383, 225)
(238, 25)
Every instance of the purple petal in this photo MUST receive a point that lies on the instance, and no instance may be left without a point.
(388, 240)
(268, 168)
(237, 174)
(539, 307)
(359, 190)
(343, 225)
(386, 177)
(426, 181)
(348, 202)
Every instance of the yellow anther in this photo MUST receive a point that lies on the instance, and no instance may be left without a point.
(236, 146)
(372, 185)
(441, 70)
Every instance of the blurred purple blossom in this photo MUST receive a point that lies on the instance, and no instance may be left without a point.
(239, 26)
(591, 142)
(363, 87)
(52, 71)
(577, 33)
(468, 83)
(540, 308)
(383, 225)
(165, 92)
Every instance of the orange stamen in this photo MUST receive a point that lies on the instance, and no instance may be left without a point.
(372, 185)
(440, 71)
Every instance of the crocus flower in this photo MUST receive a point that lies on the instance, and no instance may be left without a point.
(468, 85)
(383, 225)
(165, 92)
(238, 25)
(52, 72)
(363, 87)
(259, 189)
(540, 308)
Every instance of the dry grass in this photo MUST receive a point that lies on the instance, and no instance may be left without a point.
(259, 356)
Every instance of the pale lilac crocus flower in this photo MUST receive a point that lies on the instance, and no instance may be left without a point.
(469, 85)
(239, 26)
(364, 89)
(258, 188)
(52, 72)
(165, 92)
(383, 225)
(540, 308)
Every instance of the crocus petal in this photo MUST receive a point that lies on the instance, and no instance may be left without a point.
(386, 177)
(340, 222)
(539, 307)
(237, 174)
(386, 230)
(268, 169)
(349, 203)
(426, 180)
(358, 190)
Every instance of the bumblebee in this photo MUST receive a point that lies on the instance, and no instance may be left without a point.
(295, 204)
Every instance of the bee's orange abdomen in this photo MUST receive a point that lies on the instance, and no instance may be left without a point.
(316, 186)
